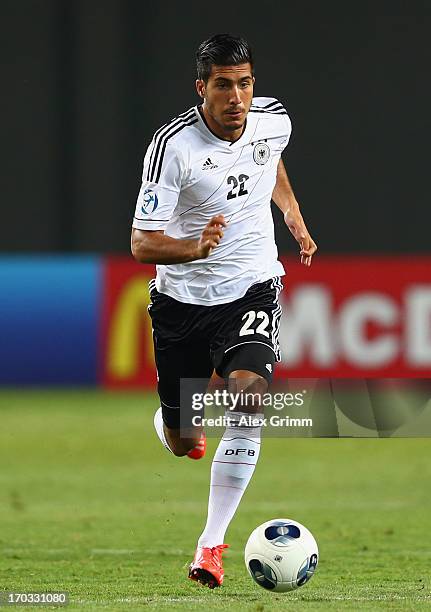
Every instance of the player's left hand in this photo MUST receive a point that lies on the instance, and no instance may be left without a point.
(308, 248)
(297, 227)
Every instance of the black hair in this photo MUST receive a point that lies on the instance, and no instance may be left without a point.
(222, 50)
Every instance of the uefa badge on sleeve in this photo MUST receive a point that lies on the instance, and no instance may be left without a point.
(150, 201)
(261, 153)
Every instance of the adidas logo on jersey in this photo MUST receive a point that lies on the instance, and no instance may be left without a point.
(208, 165)
(268, 366)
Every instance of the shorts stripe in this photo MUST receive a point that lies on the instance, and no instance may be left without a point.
(276, 331)
(151, 287)
(251, 342)
(276, 317)
(167, 406)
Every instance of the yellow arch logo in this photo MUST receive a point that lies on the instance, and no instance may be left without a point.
(123, 349)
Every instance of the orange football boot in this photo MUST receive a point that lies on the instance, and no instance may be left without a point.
(207, 566)
(198, 451)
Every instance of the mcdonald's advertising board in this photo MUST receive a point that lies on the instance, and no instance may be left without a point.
(357, 317)
(82, 320)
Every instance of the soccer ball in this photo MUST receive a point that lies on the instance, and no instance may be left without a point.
(281, 555)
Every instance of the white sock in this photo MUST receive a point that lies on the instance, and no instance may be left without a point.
(232, 468)
(158, 426)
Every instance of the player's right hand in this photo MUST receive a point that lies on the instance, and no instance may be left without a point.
(211, 236)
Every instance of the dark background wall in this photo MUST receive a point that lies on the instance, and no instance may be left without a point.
(86, 82)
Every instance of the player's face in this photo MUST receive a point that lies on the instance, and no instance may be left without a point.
(227, 97)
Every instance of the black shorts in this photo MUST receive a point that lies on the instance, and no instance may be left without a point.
(190, 341)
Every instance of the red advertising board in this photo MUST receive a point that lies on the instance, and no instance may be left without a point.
(127, 358)
(357, 317)
(344, 317)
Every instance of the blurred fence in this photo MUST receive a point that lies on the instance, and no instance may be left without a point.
(83, 320)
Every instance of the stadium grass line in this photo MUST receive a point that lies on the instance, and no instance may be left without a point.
(82, 472)
(195, 604)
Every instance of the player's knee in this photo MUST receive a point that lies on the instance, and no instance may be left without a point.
(250, 387)
(245, 379)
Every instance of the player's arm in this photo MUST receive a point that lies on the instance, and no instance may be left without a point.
(284, 198)
(162, 178)
(158, 248)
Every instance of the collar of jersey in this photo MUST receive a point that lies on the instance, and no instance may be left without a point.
(227, 143)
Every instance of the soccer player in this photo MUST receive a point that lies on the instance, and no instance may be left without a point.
(203, 215)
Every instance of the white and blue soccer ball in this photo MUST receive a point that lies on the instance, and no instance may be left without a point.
(281, 555)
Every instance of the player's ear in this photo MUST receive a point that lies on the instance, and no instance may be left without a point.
(200, 87)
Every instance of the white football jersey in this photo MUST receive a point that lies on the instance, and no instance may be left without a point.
(190, 175)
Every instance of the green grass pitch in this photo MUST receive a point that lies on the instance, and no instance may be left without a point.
(90, 503)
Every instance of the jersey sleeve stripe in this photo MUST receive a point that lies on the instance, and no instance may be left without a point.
(158, 168)
(157, 146)
(273, 108)
(153, 146)
(151, 220)
(277, 111)
(274, 103)
(159, 135)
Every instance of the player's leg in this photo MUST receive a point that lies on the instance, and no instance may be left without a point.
(172, 421)
(233, 465)
(247, 362)
(199, 450)
(178, 356)
(236, 455)
(193, 445)
(174, 440)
